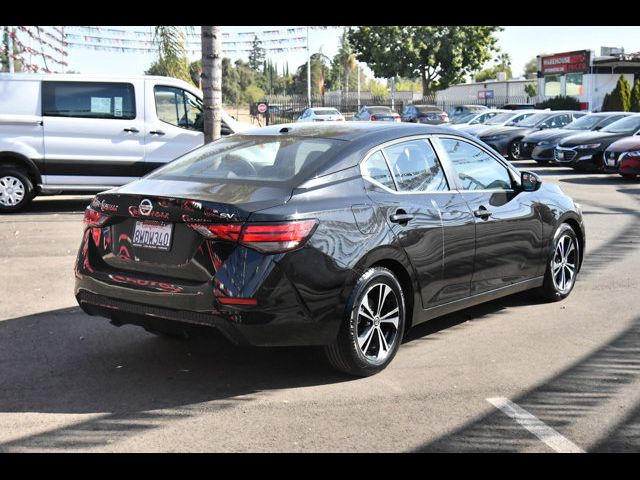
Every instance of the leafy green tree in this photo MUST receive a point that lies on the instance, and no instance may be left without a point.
(635, 97)
(4, 58)
(531, 67)
(606, 103)
(257, 54)
(620, 98)
(438, 55)
(560, 103)
(319, 75)
(531, 89)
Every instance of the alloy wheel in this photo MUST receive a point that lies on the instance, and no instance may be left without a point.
(377, 324)
(12, 191)
(563, 264)
(515, 150)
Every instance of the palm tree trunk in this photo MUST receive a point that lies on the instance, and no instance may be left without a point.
(211, 81)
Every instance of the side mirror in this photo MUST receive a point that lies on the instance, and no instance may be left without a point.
(597, 128)
(530, 181)
(542, 127)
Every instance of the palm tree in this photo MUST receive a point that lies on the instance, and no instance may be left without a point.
(347, 62)
(172, 56)
(211, 81)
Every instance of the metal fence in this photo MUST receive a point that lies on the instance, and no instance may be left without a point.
(285, 109)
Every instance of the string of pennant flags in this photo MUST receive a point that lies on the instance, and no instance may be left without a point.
(52, 42)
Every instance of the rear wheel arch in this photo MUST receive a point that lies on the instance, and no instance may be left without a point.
(23, 163)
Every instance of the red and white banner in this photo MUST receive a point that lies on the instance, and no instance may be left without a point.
(569, 62)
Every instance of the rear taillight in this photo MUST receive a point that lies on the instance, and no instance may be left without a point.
(94, 219)
(374, 118)
(266, 238)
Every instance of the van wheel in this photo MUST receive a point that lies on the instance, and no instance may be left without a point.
(16, 190)
(371, 333)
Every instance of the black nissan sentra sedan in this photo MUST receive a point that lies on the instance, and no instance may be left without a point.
(540, 145)
(584, 151)
(335, 235)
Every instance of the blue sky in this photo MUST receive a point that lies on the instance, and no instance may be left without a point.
(520, 42)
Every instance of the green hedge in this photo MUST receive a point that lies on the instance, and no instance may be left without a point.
(560, 103)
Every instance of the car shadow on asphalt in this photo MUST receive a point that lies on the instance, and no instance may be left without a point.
(65, 361)
(48, 205)
(575, 394)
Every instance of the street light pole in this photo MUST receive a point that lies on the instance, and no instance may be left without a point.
(10, 49)
(308, 71)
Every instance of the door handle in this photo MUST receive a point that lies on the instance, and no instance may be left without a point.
(156, 132)
(482, 213)
(401, 217)
(132, 130)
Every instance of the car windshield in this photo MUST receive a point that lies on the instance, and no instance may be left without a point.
(626, 125)
(499, 119)
(534, 120)
(426, 109)
(256, 158)
(326, 111)
(379, 110)
(585, 123)
(464, 118)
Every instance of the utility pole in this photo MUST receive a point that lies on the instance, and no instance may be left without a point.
(308, 71)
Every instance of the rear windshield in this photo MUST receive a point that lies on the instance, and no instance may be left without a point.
(585, 123)
(464, 118)
(534, 120)
(254, 158)
(326, 111)
(427, 108)
(379, 109)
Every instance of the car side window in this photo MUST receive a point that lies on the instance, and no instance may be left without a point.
(476, 169)
(376, 169)
(178, 107)
(115, 101)
(609, 120)
(415, 167)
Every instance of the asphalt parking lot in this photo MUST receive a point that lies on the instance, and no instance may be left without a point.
(512, 375)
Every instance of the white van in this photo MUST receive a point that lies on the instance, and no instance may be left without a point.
(90, 133)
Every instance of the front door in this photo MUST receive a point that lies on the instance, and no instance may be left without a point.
(93, 132)
(508, 237)
(174, 123)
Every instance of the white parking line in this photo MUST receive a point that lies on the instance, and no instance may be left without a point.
(544, 432)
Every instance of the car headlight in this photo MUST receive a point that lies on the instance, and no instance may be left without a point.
(587, 146)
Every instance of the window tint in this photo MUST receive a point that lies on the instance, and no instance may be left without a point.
(179, 107)
(613, 118)
(476, 169)
(262, 159)
(376, 168)
(415, 167)
(558, 121)
(89, 100)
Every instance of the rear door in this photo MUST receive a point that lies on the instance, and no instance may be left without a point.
(508, 232)
(93, 132)
(431, 221)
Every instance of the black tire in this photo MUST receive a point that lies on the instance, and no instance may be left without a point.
(345, 354)
(513, 151)
(550, 289)
(13, 179)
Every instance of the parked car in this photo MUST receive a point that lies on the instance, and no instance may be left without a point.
(506, 140)
(540, 145)
(478, 118)
(518, 106)
(376, 114)
(337, 235)
(584, 151)
(321, 114)
(508, 118)
(429, 114)
(623, 157)
(88, 133)
(458, 110)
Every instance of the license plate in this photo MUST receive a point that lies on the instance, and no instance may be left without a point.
(560, 155)
(155, 235)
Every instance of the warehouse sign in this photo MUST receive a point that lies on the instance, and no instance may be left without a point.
(569, 62)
